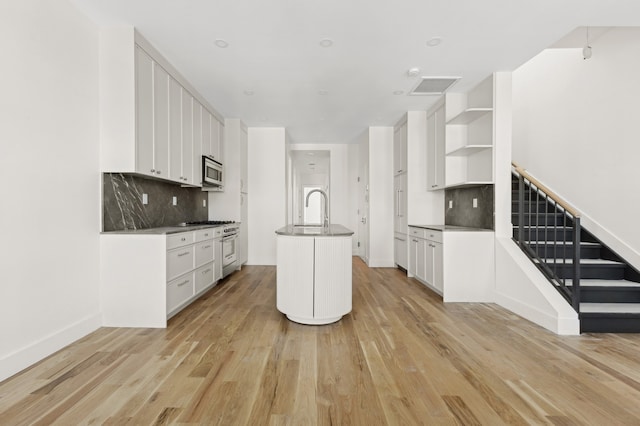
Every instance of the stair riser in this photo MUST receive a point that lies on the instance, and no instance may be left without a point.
(548, 234)
(533, 207)
(602, 323)
(609, 295)
(593, 272)
(565, 252)
(540, 220)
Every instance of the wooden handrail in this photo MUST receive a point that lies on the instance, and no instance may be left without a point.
(546, 190)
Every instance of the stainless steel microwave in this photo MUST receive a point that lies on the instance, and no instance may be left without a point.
(212, 172)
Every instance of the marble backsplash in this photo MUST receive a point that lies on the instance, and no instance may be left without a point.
(463, 214)
(122, 207)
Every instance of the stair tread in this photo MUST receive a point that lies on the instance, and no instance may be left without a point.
(603, 283)
(561, 243)
(583, 261)
(613, 308)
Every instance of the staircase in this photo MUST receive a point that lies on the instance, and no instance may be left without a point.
(608, 297)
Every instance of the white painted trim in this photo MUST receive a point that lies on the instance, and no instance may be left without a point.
(531, 296)
(381, 263)
(612, 241)
(19, 360)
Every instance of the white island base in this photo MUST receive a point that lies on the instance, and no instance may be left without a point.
(314, 276)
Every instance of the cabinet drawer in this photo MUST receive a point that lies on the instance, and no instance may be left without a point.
(179, 261)
(204, 252)
(417, 232)
(432, 235)
(204, 277)
(179, 240)
(179, 291)
(204, 234)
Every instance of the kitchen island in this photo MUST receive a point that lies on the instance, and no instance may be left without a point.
(314, 273)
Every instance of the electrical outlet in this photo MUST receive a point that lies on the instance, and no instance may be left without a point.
(204, 203)
(475, 203)
(145, 199)
(175, 201)
(450, 204)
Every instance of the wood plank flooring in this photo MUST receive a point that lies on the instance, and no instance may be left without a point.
(401, 357)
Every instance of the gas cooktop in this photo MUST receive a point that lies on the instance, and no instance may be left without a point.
(209, 222)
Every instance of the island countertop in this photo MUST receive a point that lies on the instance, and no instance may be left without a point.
(333, 230)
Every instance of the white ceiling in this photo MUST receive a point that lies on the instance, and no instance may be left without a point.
(332, 94)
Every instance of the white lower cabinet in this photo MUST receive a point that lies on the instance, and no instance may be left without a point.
(179, 290)
(147, 278)
(400, 248)
(314, 278)
(459, 265)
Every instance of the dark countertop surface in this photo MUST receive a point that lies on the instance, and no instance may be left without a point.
(454, 228)
(314, 231)
(162, 230)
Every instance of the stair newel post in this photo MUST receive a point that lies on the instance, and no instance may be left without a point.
(520, 210)
(576, 264)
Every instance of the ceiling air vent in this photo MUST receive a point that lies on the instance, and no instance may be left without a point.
(433, 85)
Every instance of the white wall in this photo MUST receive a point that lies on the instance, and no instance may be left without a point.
(339, 180)
(576, 129)
(267, 204)
(381, 197)
(49, 223)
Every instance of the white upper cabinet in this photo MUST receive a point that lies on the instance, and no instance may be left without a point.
(152, 121)
(175, 130)
(400, 148)
(436, 147)
(144, 113)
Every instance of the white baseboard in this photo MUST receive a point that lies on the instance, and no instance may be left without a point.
(19, 360)
(381, 263)
(558, 325)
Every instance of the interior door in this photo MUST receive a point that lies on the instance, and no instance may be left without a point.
(363, 221)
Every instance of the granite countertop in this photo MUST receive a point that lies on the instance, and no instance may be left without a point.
(452, 228)
(314, 231)
(161, 230)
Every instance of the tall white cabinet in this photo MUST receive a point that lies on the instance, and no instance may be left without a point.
(233, 203)
(400, 193)
(153, 122)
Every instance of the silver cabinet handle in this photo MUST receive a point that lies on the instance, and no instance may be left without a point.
(183, 283)
(183, 254)
(158, 172)
(153, 170)
(183, 239)
(206, 247)
(206, 271)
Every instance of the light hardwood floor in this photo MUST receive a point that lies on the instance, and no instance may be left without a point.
(401, 357)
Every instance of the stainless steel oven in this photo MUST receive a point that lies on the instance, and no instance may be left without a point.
(229, 249)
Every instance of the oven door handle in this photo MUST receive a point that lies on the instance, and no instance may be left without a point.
(229, 237)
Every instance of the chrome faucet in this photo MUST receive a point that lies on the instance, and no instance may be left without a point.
(326, 205)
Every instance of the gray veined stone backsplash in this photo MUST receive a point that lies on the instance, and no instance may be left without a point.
(122, 207)
(463, 214)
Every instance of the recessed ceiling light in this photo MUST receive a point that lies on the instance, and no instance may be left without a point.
(323, 92)
(221, 43)
(398, 92)
(412, 72)
(434, 41)
(326, 42)
(248, 92)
